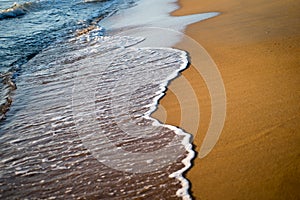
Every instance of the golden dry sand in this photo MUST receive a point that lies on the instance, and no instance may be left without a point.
(255, 45)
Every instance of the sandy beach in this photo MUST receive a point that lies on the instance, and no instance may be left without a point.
(77, 105)
(255, 46)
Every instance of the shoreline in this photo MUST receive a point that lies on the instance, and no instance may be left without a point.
(160, 24)
(254, 45)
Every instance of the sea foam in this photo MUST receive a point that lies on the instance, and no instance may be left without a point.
(85, 117)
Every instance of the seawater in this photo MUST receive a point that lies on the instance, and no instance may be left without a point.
(78, 122)
(27, 27)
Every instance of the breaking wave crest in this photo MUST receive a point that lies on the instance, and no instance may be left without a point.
(15, 10)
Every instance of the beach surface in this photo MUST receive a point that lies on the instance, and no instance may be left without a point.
(255, 45)
(77, 105)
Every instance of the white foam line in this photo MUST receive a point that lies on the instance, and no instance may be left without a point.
(183, 192)
(156, 13)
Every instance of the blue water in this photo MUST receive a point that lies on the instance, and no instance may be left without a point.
(23, 35)
(28, 27)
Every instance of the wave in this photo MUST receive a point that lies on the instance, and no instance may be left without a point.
(82, 114)
(15, 10)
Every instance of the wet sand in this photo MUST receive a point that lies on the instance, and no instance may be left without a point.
(255, 46)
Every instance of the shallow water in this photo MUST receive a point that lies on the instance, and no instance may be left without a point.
(77, 129)
(79, 124)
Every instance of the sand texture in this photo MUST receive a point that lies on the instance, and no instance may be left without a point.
(255, 45)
